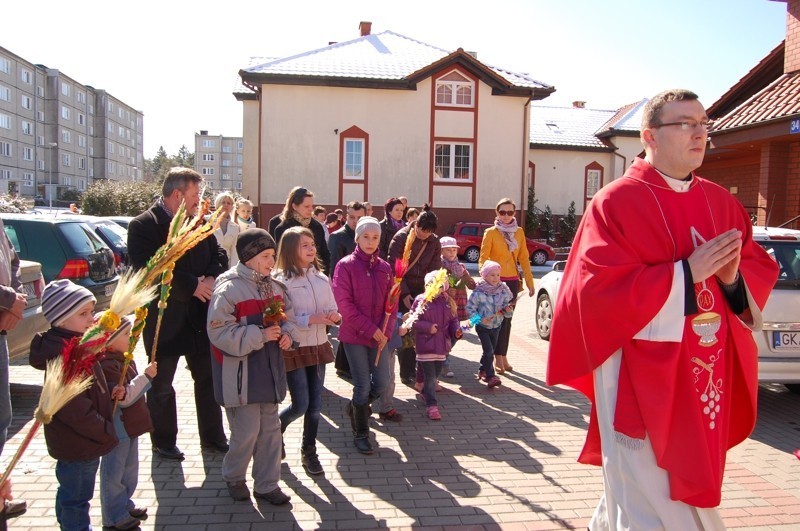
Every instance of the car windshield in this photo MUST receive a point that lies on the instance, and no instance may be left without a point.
(787, 254)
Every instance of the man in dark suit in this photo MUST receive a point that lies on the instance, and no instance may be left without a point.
(183, 328)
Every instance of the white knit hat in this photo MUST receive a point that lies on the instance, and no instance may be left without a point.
(366, 223)
(61, 299)
(447, 242)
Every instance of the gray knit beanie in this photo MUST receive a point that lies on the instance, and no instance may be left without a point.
(366, 223)
(61, 299)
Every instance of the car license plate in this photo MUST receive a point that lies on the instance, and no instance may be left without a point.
(786, 340)
(109, 289)
(30, 290)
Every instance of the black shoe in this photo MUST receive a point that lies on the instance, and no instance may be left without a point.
(310, 461)
(169, 453)
(221, 447)
(363, 445)
(409, 381)
(344, 375)
(276, 497)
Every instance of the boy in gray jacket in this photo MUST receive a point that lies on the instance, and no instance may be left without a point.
(247, 366)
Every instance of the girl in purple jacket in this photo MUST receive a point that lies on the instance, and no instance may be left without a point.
(361, 283)
(436, 328)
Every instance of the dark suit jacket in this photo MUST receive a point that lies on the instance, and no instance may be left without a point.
(183, 327)
(341, 243)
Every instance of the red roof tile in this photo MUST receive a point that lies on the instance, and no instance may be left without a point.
(780, 99)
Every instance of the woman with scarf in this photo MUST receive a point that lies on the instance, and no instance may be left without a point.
(505, 244)
(299, 212)
(391, 223)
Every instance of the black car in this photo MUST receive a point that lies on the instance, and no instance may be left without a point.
(66, 248)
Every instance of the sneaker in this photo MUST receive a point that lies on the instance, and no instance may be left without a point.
(13, 508)
(449, 374)
(481, 375)
(433, 413)
(418, 386)
(238, 490)
(275, 497)
(310, 461)
(494, 381)
(392, 415)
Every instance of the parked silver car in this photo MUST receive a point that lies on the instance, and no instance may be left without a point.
(779, 340)
(33, 321)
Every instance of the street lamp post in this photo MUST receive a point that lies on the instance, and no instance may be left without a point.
(50, 145)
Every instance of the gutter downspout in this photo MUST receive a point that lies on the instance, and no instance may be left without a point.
(526, 147)
(624, 162)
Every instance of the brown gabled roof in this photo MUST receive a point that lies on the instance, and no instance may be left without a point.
(779, 100)
(765, 72)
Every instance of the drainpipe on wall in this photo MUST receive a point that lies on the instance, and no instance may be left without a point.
(525, 148)
(624, 163)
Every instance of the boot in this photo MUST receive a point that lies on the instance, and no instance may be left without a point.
(348, 410)
(310, 461)
(361, 431)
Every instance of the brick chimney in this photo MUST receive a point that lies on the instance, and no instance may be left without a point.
(791, 61)
(578, 104)
(364, 28)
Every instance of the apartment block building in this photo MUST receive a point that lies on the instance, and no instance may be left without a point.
(219, 159)
(57, 134)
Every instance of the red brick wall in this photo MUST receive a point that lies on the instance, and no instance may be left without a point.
(793, 185)
(791, 62)
(743, 174)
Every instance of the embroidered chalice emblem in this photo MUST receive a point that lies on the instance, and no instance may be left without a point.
(712, 394)
(706, 325)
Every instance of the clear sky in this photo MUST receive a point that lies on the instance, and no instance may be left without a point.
(177, 60)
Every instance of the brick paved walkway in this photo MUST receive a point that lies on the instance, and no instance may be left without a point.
(501, 459)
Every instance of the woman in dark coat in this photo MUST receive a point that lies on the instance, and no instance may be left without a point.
(390, 224)
(299, 212)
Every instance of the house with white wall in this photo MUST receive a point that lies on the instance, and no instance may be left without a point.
(385, 115)
(574, 151)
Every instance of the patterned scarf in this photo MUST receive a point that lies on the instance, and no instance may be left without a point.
(485, 287)
(305, 222)
(397, 224)
(508, 230)
(454, 267)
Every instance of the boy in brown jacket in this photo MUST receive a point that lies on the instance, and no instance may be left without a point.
(82, 431)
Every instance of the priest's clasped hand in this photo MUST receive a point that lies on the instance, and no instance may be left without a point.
(719, 256)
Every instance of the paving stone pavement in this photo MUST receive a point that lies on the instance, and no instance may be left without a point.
(499, 459)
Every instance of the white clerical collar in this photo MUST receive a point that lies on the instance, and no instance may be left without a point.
(676, 184)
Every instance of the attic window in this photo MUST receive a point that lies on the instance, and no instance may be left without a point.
(455, 90)
(553, 127)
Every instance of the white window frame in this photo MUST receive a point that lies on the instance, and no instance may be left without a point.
(450, 98)
(6, 175)
(353, 169)
(112, 167)
(25, 101)
(40, 116)
(25, 76)
(226, 149)
(65, 112)
(81, 184)
(81, 119)
(27, 153)
(238, 185)
(208, 157)
(208, 171)
(66, 136)
(81, 163)
(40, 140)
(66, 159)
(448, 176)
(226, 176)
(593, 178)
(27, 178)
(81, 96)
(5, 121)
(40, 91)
(226, 163)
(40, 164)
(241, 144)
(110, 147)
(26, 127)
(5, 149)
(5, 93)
(81, 141)
(5, 65)
(65, 89)
(208, 143)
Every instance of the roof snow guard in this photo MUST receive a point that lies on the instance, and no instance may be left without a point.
(384, 60)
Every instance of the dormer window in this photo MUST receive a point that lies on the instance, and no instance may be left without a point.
(455, 90)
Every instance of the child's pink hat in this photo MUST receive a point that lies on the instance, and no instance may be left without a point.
(488, 267)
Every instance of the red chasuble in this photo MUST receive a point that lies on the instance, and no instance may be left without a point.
(694, 397)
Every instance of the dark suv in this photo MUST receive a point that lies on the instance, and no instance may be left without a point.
(66, 249)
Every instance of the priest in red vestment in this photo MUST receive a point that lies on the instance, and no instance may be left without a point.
(653, 323)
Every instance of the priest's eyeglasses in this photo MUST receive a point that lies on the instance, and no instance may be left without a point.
(687, 125)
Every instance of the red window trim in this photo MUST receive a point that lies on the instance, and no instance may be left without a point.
(353, 132)
(594, 165)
